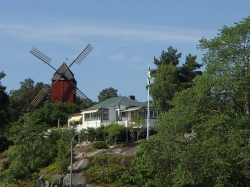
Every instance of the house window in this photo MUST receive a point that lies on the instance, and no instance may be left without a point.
(124, 114)
(87, 117)
(105, 114)
(151, 114)
(92, 116)
(95, 116)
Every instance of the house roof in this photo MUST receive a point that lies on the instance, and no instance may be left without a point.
(116, 101)
(68, 75)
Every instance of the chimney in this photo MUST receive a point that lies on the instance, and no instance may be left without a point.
(132, 97)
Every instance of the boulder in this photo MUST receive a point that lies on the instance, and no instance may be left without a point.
(40, 182)
(77, 179)
(57, 180)
(79, 165)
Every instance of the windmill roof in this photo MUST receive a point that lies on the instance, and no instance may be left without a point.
(115, 101)
(68, 75)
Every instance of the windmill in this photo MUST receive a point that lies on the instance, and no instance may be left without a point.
(63, 83)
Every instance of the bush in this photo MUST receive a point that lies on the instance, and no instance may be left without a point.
(100, 145)
(106, 170)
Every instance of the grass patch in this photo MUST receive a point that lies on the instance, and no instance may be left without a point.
(49, 171)
(106, 170)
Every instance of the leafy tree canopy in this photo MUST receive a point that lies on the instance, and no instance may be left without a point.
(4, 102)
(50, 112)
(204, 139)
(170, 78)
(20, 99)
(115, 131)
(107, 93)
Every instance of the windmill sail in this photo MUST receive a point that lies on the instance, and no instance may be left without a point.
(40, 96)
(59, 75)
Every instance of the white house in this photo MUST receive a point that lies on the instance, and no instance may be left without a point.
(117, 109)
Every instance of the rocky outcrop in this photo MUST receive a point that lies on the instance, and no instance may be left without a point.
(79, 165)
(40, 182)
(81, 162)
(61, 180)
(77, 179)
(57, 180)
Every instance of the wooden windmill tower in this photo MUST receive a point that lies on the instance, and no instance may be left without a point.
(63, 89)
(63, 85)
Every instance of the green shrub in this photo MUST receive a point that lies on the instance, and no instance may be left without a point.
(105, 170)
(100, 145)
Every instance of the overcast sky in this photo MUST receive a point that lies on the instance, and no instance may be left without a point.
(125, 35)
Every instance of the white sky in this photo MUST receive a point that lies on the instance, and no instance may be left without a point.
(126, 36)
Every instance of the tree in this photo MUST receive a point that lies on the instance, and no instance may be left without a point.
(35, 147)
(189, 70)
(115, 131)
(204, 139)
(63, 154)
(170, 78)
(165, 85)
(50, 112)
(107, 93)
(138, 123)
(84, 103)
(148, 167)
(4, 102)
(101, 133)
(20, 99)
(167, 58)
(28, 154)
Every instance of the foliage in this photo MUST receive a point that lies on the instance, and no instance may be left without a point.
(169, 78)
(115, 131)
(50, 112)
(28, 154)
(34, 148)
(107, 93)
(20, 99)
(4, 102)
(204, 139)
(63, 156)
(137, 123)
(20, 103)
(148, 167)
(84, 103)
(101, 133)
(91, 134)
(62, 160)
(100, 145)
(105, 170)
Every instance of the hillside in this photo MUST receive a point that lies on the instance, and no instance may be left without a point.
(93, 167)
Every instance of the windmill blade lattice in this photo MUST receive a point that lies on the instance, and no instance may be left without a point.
(82, 55)
(41, 56)
(40, 96)
(78, 60)
(47, 60)
(78, 93)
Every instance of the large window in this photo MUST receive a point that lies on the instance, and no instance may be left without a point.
(92, 116)
(105, 114)
(152, 114)
(87, 117)
(124, 114)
